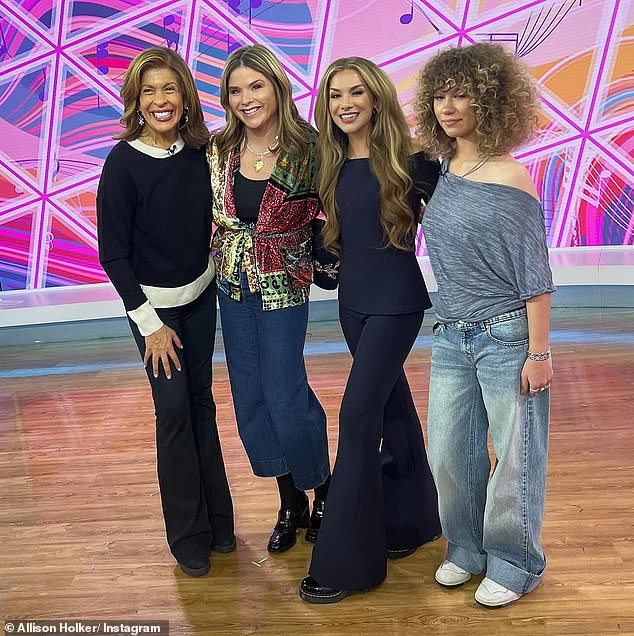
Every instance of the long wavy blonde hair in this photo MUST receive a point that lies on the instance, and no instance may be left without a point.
(193, 131)
(501, 92)
(389, 143)
(293, 128)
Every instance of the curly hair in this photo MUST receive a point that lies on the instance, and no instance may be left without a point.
(390, 145)
(501, 92)
(293, 133)
(192, 128)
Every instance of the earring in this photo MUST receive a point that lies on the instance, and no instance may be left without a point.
(140, 117)
(184, 119)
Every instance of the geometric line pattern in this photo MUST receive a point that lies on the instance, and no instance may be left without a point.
(62, 65)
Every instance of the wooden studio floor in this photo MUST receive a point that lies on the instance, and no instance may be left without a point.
(81, 532)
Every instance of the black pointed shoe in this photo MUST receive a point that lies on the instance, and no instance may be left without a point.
(194, 565)
(311, 592)
(284, 534)
(315, 520)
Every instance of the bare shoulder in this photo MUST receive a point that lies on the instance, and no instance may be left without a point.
(510, 172)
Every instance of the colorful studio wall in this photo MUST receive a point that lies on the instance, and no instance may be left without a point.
(62, 64)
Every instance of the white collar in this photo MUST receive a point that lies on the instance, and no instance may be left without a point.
(158, 153)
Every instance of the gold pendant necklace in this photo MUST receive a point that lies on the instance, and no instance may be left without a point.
(258, 164)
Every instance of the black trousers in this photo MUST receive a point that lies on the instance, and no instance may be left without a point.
(382, 496)
(195, 495)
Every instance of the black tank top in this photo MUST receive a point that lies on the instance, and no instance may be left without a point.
(247, 195)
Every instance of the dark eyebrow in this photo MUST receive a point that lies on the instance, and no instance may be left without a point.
(332, 88)
(166, 84)
(249, 85)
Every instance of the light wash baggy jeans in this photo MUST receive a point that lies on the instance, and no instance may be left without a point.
(492, 524)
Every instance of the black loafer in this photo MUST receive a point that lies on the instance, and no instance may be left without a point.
(311, 592)
(224, 547)
(315, 520)
(284, 534)
(400, 554)
(195, 565)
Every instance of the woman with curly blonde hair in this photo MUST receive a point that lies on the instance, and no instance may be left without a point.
(498, 89)
(491, 367)
(382, 502)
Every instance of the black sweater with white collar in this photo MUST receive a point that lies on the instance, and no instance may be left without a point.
(154, 219)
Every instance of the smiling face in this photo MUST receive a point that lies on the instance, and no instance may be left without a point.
(350, 103)
(161, 104)
(252, 99)
(455, 113)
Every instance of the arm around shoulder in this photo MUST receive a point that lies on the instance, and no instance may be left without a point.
(424, 173)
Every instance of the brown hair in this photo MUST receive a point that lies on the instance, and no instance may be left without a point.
(502, 96)
(193, 131)
(390, 146)
(293, 129)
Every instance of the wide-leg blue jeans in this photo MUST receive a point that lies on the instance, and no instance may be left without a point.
(280, 421)
(492, 522)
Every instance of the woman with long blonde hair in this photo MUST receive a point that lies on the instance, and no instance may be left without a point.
(263, 177)
(382, 501)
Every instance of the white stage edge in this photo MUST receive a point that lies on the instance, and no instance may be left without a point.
(595, 270)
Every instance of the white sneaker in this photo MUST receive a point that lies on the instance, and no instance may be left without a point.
(493, 594)
(450, 575)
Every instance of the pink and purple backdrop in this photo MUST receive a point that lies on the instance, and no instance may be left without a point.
(62, 64)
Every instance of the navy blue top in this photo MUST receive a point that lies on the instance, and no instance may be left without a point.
(373, 278)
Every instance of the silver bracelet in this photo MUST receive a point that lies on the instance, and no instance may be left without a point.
(538, 357)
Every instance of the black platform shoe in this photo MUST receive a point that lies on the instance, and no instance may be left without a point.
(315, 520)
(311, 592)
(284, 534)
(224, 547)
(195, 565)
(400, 554)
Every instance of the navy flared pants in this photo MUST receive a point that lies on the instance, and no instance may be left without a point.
(382, 496)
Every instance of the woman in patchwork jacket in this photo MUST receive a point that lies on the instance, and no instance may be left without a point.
(262, 167)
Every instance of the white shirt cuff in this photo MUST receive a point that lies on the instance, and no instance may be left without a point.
(146, 319)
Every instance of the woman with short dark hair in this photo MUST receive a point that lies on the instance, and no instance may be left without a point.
(154, 229)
